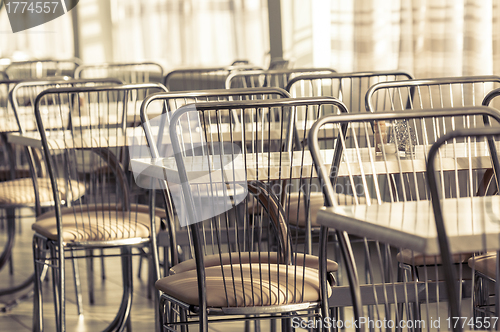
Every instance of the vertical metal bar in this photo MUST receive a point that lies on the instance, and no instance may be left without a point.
(76, 32)
(275, 32)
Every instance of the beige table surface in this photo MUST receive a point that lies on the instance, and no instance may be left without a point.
(472, 224)
(283, 165)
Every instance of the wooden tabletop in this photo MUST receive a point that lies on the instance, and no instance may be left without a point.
(105, 113)
(284, 165)
(472, 224)
(81, 139)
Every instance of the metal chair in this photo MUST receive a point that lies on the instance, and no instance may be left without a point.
(85, 133)
(485, 220)
(168, 103)
(10, 169)
(25, 165)
(41, 68)
(391, 207)
(201, 78)
(131, 73)
(246, 276)
(434, 93)
(22, 98)
(430, 93)
(278, 78)
(484, 264)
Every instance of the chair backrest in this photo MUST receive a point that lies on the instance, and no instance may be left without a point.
(17, 161)
(430, 93)
(351, 88)
(85, 133)
(270, 78)
(436, 93)
(130, 73)
(260, 161)
(392, 175)
(23, 94)
(41, 68)
(28, 161)
(174, 100)
(394, 182)
(201, 78)
(171, 101)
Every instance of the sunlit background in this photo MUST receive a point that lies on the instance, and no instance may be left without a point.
(428, 38)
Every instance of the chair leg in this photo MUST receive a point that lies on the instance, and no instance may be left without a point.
(20, 226)
(340, 275)
(170, 312)
(256, 325)
(480, 297)
(166, 261)
(408, 273)
(334, 314)
(56, 283)
(274, 327)
(139, 268)
(151, 280)
(11, 265)
(103, 270)
(37, 291)
(183, 317)
(11, 235)
(286, 324)
(90, 275)
(121, 320)
(78, 286)
(484, 297)
(160, 312)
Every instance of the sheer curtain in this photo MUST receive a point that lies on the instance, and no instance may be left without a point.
(180, 33)
(428, 38)
(53, 39)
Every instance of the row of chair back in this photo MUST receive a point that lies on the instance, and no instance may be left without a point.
(41, 68)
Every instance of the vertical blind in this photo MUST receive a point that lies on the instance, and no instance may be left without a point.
(428, 38)
(180, 33)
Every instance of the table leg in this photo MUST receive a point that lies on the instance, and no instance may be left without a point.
(121, 320)
(11, 234)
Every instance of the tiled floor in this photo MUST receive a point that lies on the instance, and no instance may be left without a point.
(107, 294)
